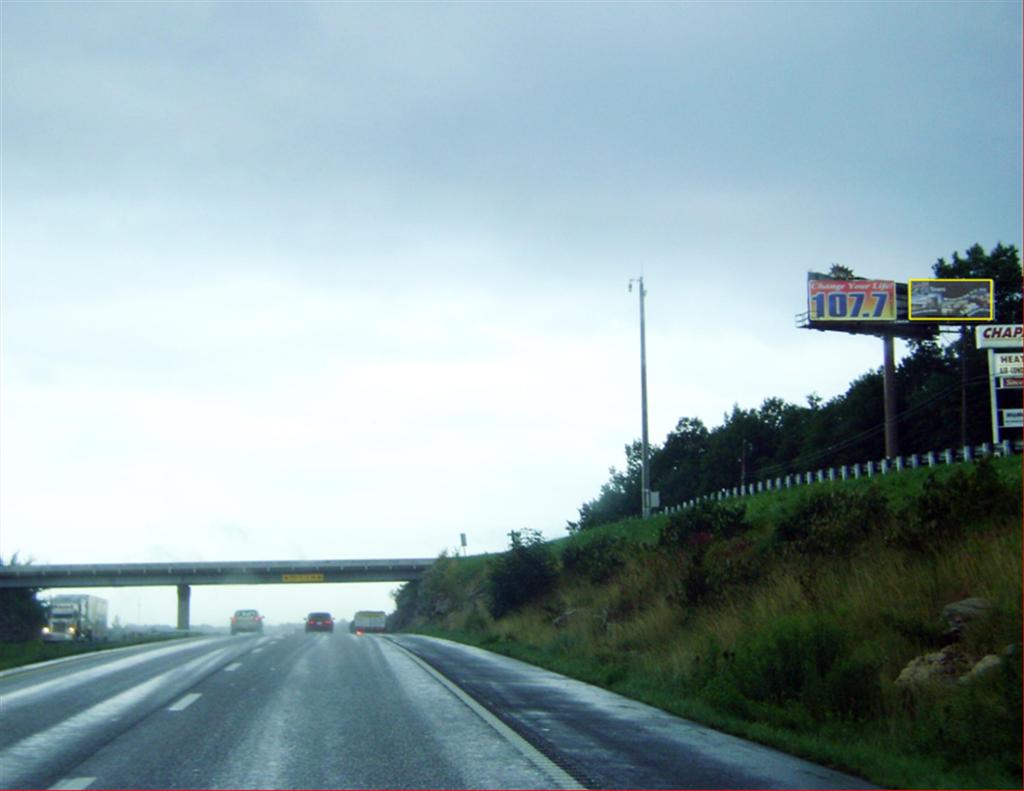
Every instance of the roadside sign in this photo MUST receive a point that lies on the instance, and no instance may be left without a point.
(1007, 364)
(302, 578)
(1010, 383)
(1012, 418)
(999, 336)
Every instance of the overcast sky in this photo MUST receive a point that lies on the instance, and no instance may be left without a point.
(328, 280)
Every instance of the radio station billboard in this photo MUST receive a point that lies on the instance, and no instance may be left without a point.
(950, 299)
(851, 300)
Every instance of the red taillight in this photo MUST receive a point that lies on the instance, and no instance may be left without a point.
(359, 631)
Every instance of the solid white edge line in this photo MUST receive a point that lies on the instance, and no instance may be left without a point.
(73, 784)
(185, 701)
(561, 777)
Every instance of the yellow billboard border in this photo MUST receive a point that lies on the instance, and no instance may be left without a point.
(948, 319)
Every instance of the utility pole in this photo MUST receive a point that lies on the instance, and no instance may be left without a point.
(645, 473)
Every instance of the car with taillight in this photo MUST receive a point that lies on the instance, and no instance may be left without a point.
(246, 621)
(319, 622)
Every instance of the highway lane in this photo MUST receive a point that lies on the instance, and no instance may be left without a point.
(301, 711)
(608, 741)
(340, 711)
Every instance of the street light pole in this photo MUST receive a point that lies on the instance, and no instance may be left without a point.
(645, 473)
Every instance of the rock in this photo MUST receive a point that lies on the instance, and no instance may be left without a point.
(943, 667)
(983, 667)
(966, 610)
(960, 613)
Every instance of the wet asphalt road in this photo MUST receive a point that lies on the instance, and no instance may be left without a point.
(339, 711)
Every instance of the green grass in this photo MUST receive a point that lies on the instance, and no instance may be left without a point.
(863, 612)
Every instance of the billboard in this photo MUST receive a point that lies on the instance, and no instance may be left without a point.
(851, 300)
(950, 299)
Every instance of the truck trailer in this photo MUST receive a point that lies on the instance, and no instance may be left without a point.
(76, 616)
(369, 621)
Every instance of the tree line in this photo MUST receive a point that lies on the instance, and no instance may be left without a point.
(778, 437)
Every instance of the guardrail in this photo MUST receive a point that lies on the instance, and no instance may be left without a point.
(860, 470)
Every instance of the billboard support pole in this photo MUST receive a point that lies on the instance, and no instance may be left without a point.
(889, 393)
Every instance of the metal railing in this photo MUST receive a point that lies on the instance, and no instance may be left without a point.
(866, 469)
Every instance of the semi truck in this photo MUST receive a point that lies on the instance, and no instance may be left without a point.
(369, 621)
(76, 616)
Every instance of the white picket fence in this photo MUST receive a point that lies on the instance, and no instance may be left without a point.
(865, 469)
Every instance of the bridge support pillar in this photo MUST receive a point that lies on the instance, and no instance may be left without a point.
(184, 595)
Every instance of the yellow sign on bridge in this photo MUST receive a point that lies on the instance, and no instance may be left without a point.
(302, 578)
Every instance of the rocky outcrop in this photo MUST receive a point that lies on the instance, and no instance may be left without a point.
(943, 667)
(951, 665)
(959, 614)
(985, 666)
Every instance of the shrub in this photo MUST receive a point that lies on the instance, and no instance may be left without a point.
(971, 496)
(729, 563)
(597, 560)
(789, 661)
(853, 689)
(714, 518)
(524, 573)
(830, 521)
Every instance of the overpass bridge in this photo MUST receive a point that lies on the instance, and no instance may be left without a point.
(184, 575)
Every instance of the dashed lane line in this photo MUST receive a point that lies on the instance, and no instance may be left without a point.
(232, 667)
(185, 701)
(73, 784)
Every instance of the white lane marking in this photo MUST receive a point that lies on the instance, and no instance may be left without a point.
(232, 667)
(35, 753)
(73, 784)
(23, 696)
(561, 777)
(256, 650)
(185, 701)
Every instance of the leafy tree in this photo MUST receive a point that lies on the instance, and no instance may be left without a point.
(676, 467)
(619, 497)
(22, 615)
(1002, 264)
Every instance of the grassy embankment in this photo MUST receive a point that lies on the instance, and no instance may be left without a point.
(788, 624)
(19, 654)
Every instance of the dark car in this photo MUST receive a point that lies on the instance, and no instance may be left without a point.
(319, 622)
